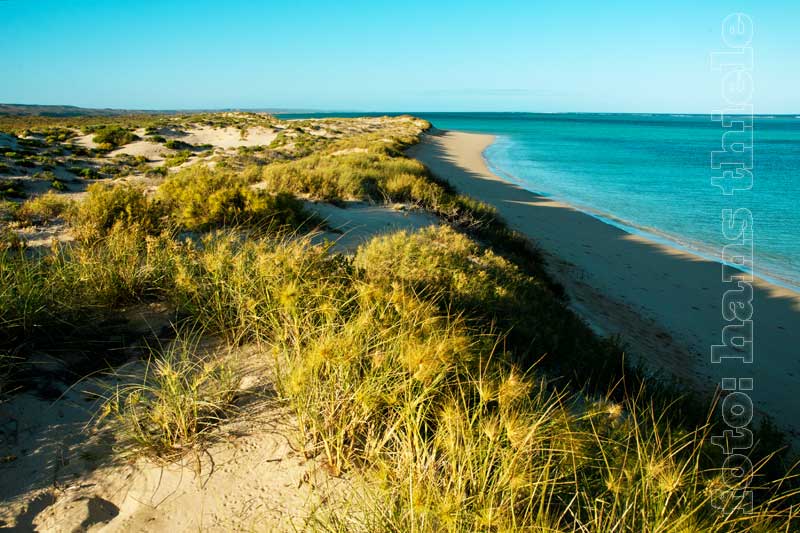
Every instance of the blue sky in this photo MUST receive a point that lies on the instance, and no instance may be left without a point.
(429, 55)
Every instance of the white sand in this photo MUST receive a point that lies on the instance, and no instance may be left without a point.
(229, 137)
(664, 302)
(154, 152)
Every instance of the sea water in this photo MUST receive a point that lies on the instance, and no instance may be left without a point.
(651, 175)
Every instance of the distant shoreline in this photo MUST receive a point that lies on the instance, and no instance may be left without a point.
(665, 302)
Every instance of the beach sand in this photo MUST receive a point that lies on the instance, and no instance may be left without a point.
(665, 303)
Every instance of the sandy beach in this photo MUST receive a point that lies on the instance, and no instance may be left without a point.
(665, 303)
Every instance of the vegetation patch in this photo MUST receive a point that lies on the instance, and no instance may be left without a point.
(111, 137)
(200, 198)
(174, 404)
(442, 366)
(107, 206)
(44, 209)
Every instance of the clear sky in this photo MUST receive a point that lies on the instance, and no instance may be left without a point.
(411, 55)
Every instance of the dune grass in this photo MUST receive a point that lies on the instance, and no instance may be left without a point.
(200, 198)
(174, 403)
(107, 205)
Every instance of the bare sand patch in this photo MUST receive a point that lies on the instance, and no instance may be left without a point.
(58, 475)
(148, 149)
(86, 141)
(229, 137)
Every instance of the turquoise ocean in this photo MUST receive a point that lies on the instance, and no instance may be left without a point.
(651, 175)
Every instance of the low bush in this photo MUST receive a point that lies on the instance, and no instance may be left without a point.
(47, 296)
(178, 158)
(44, 209)
(175, 144)
(110, 137)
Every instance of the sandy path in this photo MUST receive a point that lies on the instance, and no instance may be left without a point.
(666, 303)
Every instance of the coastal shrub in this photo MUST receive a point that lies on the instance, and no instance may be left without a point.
(85, 172)
(45, 175)
(178, 158)
(56, 134)
(489, 288)
(110, 137)
(355, 175)
(157, 139)
(200, 198)
(453, 434)
(161, 171)
(108, 205)
(175, 144)
(44, 209)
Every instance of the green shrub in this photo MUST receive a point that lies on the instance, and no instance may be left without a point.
(161, 171)
(88, 173)
(485, 286)
(157, 139)
(47, 296)
(108, 205)
(110, 137)
(178, 158)
(175, 144)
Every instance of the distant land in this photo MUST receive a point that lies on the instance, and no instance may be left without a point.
(20, 110)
